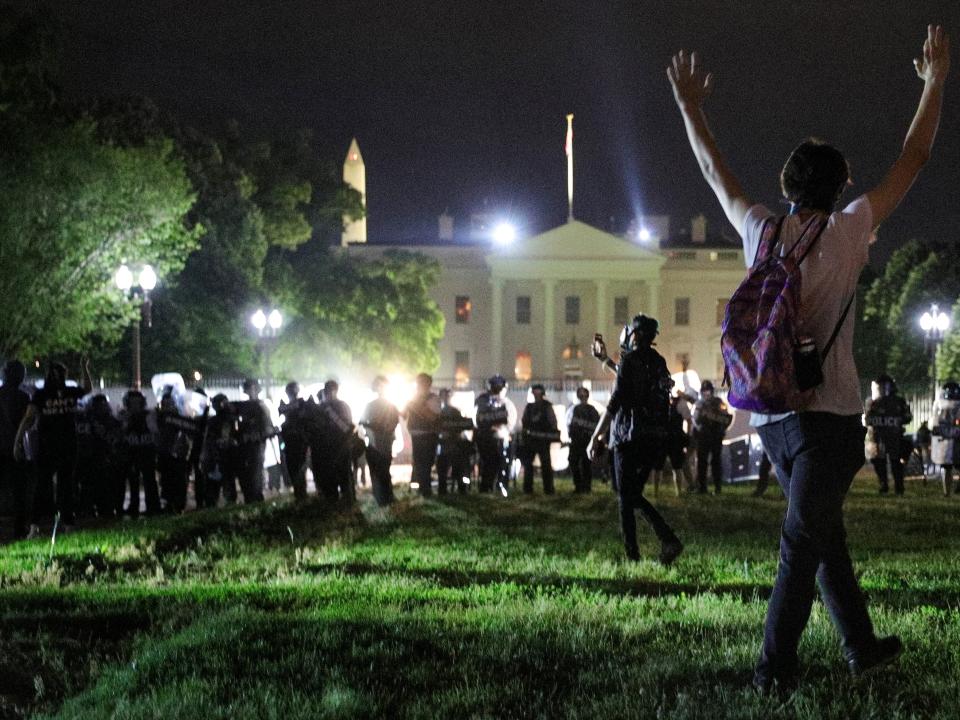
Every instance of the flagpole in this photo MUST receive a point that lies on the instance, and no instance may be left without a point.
(569, 149)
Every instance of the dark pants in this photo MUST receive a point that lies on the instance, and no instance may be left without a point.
(896, 465)
(424, 451)
(494, 461)
(709, 452)
(763, 475)
(22, 478)
(453, 463)
(250, 472)
(332, 471)
(632, 465)
(61, 464)
(380, 482)
(295, 460)
(173, 481)
(816, 456)
(580, 467)
(142, 465)
(535, 450)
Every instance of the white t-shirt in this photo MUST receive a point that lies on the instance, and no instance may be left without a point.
(830, 274)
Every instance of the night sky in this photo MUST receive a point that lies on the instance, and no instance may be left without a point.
(461, 105)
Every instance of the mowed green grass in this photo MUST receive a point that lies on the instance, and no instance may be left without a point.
(469, 606)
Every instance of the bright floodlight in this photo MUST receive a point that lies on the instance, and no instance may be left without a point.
(259, 320)
(124, 278)
(275, 319)
(926, 322)
(644, 235)
(148, 278)
(504, 234)
(943, 322)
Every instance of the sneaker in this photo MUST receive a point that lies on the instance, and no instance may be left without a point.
(670, 551)
(884, 651)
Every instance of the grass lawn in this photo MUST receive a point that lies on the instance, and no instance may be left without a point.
(469, 606)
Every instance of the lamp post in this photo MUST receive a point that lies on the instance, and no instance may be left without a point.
(132, 285)
(268, 327)
(934, 325)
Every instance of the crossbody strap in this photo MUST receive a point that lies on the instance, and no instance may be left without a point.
(836, 330)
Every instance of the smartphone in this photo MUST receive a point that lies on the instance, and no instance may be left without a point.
(598, 346)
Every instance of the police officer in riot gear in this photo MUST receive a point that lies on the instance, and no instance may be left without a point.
(455, 449)
(494, 415)
(887, 416)
(637, 418)
(20, 475)
(295, 435)
(98, 477)
(219, 458)
(945, 450)
(254, 428)
(177, 434)
(332, 433)
(380, 420)
(54, 408)
(422, 415)
(582, 420)
(138, 449)
(539, 431)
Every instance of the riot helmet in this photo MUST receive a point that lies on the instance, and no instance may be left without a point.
(496, 383)
(950, 391)
(13, 373)
(886, 384)
(134, 401)
(56, 377)
(100, 408)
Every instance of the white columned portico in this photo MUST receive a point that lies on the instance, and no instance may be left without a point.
(653, 298)
(496, 323)
(603, 317)
(549, 328)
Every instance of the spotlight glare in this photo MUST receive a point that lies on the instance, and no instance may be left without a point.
(504, 233)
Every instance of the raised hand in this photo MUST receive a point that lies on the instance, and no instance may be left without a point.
(690, 85)
(934, 65)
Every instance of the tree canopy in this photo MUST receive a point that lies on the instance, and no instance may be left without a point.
(891, 340)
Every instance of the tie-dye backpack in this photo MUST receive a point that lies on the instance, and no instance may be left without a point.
(762, 327)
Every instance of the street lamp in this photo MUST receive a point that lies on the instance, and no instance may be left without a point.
(934, 325)
(133, 285)
(267, 325)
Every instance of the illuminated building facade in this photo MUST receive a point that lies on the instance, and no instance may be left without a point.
(529, 309)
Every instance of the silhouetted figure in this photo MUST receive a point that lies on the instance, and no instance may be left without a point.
(56, 406)
(637, 418)
(380, 419)
(494, 415)
(886, 418)
(422, 415)
(710, 422)
(295, 434)
(539, 424)
(455, 449)
(582, 420)
(18, 474)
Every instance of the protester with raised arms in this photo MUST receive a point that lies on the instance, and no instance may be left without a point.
(816, 445)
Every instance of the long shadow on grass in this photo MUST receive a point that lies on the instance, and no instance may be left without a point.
(535, 583)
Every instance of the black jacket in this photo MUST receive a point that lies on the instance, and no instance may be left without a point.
(640, 401)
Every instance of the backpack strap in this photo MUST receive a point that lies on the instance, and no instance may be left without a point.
(803, 244)
(769, 238)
